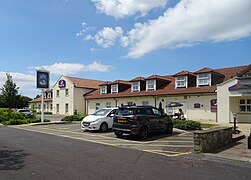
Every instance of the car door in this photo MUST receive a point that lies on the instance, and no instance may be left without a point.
(158, 119)
(109, 118)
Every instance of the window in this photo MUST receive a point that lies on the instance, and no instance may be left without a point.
(57, 93)
(204, 79)
(181, 81)
(114, 88)
(44, 106)
(156, 112)
(129, 103)
(51, 106)
(97, 106)
(135, 86)
(49, 95)
(66, 107)
(245, 105)
(108, 104)
(66, 92)
(151, 85)
(103, 89)
(57, 108)
(145, 103)
(39, 106)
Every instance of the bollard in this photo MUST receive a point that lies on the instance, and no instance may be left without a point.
(249, 141)
(234, 123)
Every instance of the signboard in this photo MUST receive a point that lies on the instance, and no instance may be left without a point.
(43, 79)
(213, 104)
(62, 83)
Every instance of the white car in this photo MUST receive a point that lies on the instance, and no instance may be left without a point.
(101, 120)
(24, 111)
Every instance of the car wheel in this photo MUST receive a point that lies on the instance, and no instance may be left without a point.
(143, 133)
(169, 128)
(118, 134)
(103, 127)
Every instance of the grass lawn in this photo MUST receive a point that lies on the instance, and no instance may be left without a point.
(207, 126)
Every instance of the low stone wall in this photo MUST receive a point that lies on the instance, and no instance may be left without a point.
(209, 140)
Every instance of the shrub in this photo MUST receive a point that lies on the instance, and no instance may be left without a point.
(187, 124)
(73, 118)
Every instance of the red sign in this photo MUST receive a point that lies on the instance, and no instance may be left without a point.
(213, 105)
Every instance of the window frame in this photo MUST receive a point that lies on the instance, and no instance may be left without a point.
(103, 89)
(177, 81)
(246, 105)
(136, 84)
(66, 92)
(97, 106)
(114, 86)
(203, 79)
(108, 104)
(58, 93)
(153, 84)
(66, 108)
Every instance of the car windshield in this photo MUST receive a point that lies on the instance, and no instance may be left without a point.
(23, 110)
(101, 112)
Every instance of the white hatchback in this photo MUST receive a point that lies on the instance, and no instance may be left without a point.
(101, 120)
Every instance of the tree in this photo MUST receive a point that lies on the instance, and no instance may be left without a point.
(9, 93)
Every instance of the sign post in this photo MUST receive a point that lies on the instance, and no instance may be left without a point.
(43, 82)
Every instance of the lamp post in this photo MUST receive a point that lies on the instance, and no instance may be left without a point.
(249, 139)
(234, 123)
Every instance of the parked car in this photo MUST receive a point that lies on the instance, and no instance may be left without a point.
(101, 120)
(140, 120)
(24, 111)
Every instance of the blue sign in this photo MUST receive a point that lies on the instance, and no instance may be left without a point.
(43, 79)
(61, 83)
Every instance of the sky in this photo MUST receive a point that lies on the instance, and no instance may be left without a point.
(120, 39)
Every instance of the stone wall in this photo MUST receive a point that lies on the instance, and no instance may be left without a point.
(209, 140)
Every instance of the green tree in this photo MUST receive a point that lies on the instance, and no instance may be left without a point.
(9, 93)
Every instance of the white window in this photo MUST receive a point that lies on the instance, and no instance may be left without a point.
(57, 93)
(204, 79)
(97, 106)
(151, 85)
(103, 89)
(66, 107)
(245, 105)
(49, 95)
(108, 104)
(145, 103)
(135, 86)
(114, 88)
(181, 81)
(66, 92)
(57, 108)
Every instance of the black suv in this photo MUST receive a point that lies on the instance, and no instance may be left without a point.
(140, 120)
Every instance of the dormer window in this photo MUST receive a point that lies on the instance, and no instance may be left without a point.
(135, 86)
(204, 79)
(103, 89)
(151, 84)
(114, 88)
(181, 82)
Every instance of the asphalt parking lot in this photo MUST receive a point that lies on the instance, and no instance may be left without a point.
(179, 143)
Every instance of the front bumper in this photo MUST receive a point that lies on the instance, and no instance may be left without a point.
(90, 126)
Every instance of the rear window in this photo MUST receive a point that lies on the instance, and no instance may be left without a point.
(131, 111)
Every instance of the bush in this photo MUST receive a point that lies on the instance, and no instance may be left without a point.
(73, 118)
(187, 124)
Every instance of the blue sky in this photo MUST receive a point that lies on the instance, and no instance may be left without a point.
(120, 39)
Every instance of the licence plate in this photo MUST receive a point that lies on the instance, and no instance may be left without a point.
(121, 121)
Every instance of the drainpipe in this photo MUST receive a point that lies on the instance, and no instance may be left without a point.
(116, 102)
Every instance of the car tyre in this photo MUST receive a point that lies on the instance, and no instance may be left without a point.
(103, 127)
(169, 128)
(143, 133)
(118, 134)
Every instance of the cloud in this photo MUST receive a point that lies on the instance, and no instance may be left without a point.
(108, 36)
(123, 8)
(191, 22)
(98, 67)
(72, 68)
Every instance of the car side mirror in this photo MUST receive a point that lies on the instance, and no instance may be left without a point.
(111, 115)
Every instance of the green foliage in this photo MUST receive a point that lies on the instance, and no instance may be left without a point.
(46, 113)
(9, 95)
(9, 117)
(207, 126)
(73, 118)
(187, 124)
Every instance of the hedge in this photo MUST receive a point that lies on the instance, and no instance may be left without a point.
(187, 124)
(73, 118)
